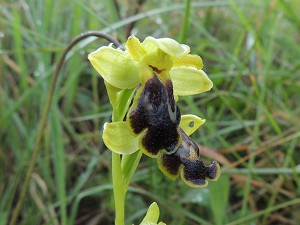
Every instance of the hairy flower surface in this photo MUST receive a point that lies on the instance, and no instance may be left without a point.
(155, 115)
(186, 162)
(154, 73)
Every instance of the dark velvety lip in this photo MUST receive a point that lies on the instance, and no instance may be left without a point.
(155, 110)
(186, 161)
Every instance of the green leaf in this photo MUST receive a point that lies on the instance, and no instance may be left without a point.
(219, 193)
(57, 146)
(129, 165)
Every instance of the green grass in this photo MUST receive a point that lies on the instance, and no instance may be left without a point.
(250, 51)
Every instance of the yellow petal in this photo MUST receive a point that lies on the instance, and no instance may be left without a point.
(168, 45)
(189, 81)
(118, 138)
(135, 49)
(116, 67)
(188, 60)
(190, 123)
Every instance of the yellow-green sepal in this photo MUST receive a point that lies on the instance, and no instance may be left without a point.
(116, 67)
(117, 138)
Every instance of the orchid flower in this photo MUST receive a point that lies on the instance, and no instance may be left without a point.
(143, 83)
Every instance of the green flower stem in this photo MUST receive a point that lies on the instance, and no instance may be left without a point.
(122, 172)
(119, 192)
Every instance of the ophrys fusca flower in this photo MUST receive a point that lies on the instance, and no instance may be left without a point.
(143, 83)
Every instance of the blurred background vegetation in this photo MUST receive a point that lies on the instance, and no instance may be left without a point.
(251, 52)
